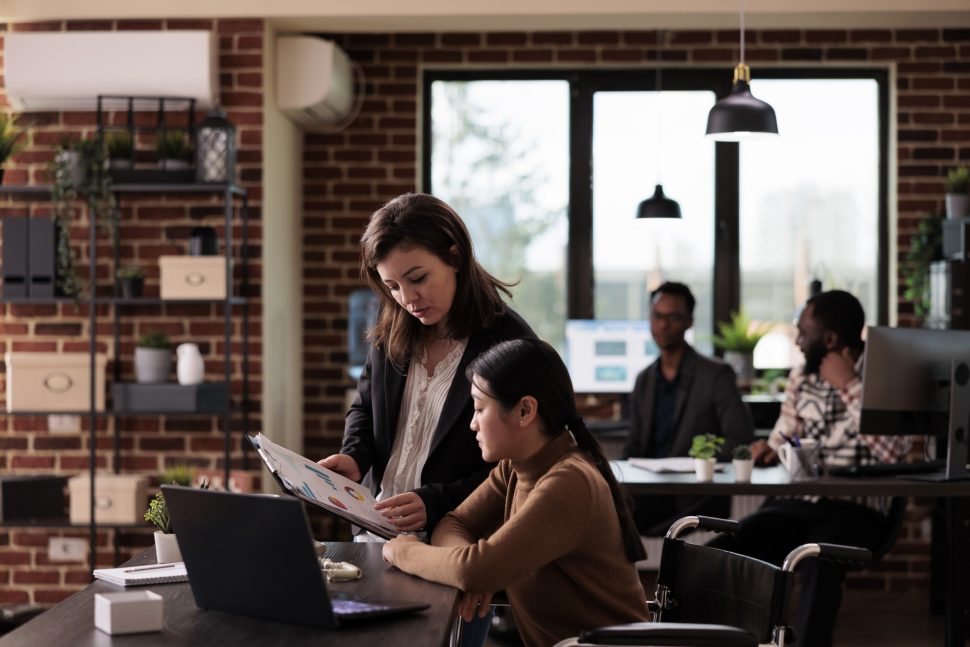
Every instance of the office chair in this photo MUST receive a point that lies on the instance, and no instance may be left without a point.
(709, 597)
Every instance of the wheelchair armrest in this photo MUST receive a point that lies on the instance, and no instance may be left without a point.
(672, 634)
(850, 555)
(704, 523)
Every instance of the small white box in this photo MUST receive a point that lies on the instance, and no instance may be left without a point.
(128, 613)
(53, 381)
(192, 277)
(119, 498)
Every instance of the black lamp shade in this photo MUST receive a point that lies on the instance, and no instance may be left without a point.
(658, 206)
(740, 116)
(215, 149)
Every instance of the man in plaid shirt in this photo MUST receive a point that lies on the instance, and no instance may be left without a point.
(822, 402)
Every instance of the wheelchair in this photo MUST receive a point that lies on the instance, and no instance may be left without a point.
(707, 597)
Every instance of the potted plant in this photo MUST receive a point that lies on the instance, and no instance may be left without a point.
(119, 148)
(166, 544)
(131, 279)
(11, 139)
(925, 247)
(76, 159)
(703, 450)
(743, 463)
(153, 358)
(958, 192)
(737, 338)
(173, 150)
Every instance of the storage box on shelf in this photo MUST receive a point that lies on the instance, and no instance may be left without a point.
(118, 498)
(53, 382)
(211, 397)
(192, 277)
(24, 497)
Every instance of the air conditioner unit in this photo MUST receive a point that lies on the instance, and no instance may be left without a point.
(49, 71)
(315, 82)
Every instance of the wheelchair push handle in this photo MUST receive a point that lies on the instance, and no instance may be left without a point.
(850, 555)
(703, 523)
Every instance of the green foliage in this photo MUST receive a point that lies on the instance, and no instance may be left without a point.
(740, 334)
(118, 145)
(925, 246)
(154, 339)
(705, 446)
(157, 513)
(11, 139)
(742, 453)
(130, 272)
(958, 180)
(172, 145)
(180, 474)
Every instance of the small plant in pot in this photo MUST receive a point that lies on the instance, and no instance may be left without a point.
(703, 450)
(131, 280)
(958, 192)
(172, 147)
(743, 463)
(737, 338)
(119, 148)
(11, 139)
(166, 544)
(153, 358)
(75, 159)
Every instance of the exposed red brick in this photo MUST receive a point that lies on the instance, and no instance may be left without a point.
(233, 26)
(89, 25)
(139, 25)
(52, 25)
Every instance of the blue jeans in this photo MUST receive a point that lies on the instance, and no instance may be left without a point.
(474, 633)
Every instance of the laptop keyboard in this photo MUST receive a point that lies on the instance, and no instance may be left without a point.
(357, 609)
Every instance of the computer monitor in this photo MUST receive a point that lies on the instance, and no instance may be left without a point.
(917, 382)
(606, 356)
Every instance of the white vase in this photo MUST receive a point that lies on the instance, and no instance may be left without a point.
(704, 468)
(742, 469)
(190, 368)
(167, 548)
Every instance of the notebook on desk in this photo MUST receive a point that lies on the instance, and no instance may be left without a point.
(140, 575)
(253, 554)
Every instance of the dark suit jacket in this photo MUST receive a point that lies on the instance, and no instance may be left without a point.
(708, 401)
(455, 466)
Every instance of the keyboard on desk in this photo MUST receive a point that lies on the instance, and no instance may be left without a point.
(887, 469)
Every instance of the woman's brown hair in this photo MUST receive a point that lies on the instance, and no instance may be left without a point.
(422, 220)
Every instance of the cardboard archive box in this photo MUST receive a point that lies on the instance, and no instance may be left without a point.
(53, 381)
(119, 498)
(192, 277)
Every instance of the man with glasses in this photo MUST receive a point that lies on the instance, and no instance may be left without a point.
(680, 395)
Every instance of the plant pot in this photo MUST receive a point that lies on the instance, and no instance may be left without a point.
(173, 165)
(957, 205)
(76, 173)
(742, 469)
(152, 365)
(167, 547)
(743, 364)
(131, 287)
(704, 469)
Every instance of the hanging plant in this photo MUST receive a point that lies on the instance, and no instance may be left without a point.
(925, 246)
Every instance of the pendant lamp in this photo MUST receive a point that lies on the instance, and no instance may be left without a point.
(740, 116)
(658, 205)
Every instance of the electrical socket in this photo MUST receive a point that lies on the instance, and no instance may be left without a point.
(66, 549)
(59, 424)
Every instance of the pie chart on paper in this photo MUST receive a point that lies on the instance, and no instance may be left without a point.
(354, 493)
(337, 502)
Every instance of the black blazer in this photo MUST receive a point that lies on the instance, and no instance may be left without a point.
(708, 401)
(455, 466)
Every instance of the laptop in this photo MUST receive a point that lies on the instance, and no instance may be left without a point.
(253, 555)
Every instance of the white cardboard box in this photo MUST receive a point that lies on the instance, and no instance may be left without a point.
(53, 381)
(128, 613)
(192, 277)
(119, 498)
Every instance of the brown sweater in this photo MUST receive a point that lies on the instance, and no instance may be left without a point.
(551, 541)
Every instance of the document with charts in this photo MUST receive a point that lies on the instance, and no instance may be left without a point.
(674, 465)
(307, 480)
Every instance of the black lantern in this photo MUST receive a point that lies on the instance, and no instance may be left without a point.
(215, 150)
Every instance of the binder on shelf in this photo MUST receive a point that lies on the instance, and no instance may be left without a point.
(40, 258)
(31, 497)
(14, 256)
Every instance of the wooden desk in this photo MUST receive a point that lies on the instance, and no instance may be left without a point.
(775, 481)
(71, 623)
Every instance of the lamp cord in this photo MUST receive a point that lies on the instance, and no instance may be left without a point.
(661, 36)
(741, 3)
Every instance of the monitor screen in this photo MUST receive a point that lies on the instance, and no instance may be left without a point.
(606, 356)
(906, 386)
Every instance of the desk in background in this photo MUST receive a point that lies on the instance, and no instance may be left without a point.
(71, 623)
(774, 481)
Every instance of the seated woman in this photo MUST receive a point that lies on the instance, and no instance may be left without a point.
(550, 525)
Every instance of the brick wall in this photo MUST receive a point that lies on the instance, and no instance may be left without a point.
(349, 174)
(150, 443)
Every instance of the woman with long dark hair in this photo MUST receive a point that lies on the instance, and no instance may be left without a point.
(406, 433)
(550, 525)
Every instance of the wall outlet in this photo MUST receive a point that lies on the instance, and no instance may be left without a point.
(64, 424)
(66, 549)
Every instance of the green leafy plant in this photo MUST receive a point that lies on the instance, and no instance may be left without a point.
(118, 145)
(11, 139)
(742, 453)
(958, 180)
(925, 246)
(705, 446)
(157, 513)
(154, 339)
(130, 272)
(180, 474)
(740, 333)
(172, 145)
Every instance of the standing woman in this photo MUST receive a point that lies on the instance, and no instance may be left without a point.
(550, 525)
(407, 430)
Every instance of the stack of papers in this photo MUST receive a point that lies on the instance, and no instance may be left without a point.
(676, 465)
(149, 574)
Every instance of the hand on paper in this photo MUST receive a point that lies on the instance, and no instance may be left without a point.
(837, 368)
(406, 511)
(762, 453)
(473, 604)
(389, 549)
(342, 464)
